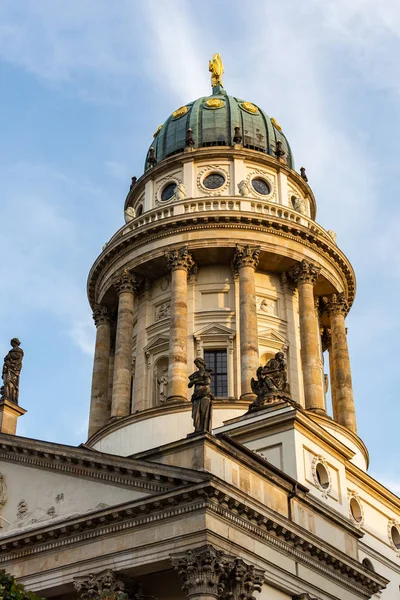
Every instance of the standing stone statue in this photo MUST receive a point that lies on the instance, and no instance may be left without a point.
(11, 372)
(271, 384)
(202, 397)
(163, 384)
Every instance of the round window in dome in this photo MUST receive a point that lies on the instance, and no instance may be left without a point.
(261, 186)
(168, 191)
(214, 181)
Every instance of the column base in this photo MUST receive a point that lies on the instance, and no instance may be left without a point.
(9, 413)
(318, 411)
(173, 399)
(248, 397)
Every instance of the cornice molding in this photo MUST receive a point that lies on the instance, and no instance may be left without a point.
(273, 529)
(95, 465)
(238, 221)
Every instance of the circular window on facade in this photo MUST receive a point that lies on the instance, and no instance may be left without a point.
(260, 186)
(213, 181)
(322, 476)
(395, 536)
(168, 191)
(355, 510)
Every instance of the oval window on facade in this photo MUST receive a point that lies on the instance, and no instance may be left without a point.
(368, 564)
(322, 476)
(213, 181)
(260, 186)
(395, 535)
(168, 191)
(356, 511)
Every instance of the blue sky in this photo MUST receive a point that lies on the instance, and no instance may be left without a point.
(84, 85)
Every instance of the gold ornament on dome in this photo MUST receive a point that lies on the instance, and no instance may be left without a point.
(275, 124)
(214, 103)
(216, 68)
(250, 107)
(180, 112)
(158, 131)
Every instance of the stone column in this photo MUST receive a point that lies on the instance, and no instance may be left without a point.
(245, 263)
(304, 276)
(342, 389)
(100, 407)
(209, 574)
(326, 341)
(126, 286)
(100, 585)
(180, 262)
(141, 393)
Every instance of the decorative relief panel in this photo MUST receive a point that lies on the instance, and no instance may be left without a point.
(255, 173)
(207, 170)
(267, 306)
(163, 311)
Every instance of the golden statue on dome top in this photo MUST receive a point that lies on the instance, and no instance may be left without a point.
(216, 68)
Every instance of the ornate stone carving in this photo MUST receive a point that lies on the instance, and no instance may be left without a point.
(22, 509)
(244, 188)
(271, 384)
(163, 311)
(299, 204)
(243, 581)
(129, 214)
(101, 315)
(246, 256)
(202, 571)
(332, 234)
(11, 371)
(209, 571)
(304, 272)
(104, 585)
(202, 397)
(180, 192)
(288, 285)
(3, 491)
(324, 488)
(180, 258)
(336, 303)
(127, 282)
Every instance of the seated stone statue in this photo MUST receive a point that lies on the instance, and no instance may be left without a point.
(271, 383)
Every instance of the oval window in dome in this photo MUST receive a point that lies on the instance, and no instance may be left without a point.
(322, 476)
(214, 181)
(168, 191)
(261, 186)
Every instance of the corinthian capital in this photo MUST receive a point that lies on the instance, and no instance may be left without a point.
(180, 258)
(246, 256)
(96, 586)
(127, 282)
(203, 570)
(336, 304)
(244, 580)
(304, 272)
(101, 315)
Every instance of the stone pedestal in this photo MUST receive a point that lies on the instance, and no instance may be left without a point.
(121, 398)
(180, 262)
(9, 413)
(245, 263)
(304, 276)
(342, 388)
(100, 406)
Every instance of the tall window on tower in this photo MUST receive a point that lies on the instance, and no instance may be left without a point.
(217, 361)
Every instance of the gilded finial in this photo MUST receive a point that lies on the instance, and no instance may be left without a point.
(216, 68)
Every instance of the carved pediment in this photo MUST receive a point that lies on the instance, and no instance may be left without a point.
(215, 330)
(158, 344)
(272, 339)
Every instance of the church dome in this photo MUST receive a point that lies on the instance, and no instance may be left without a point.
(218, 120)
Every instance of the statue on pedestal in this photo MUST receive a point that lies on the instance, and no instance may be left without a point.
(271, 384)
(163, 384)
(11, 372)
(202, 397)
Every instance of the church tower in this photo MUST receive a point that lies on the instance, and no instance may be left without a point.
(221, 263)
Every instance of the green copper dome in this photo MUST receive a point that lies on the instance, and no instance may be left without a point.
(212, 120)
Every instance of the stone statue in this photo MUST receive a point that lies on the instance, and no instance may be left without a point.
(202, 397)
(3, 491)
(244, 188)
(180, 192)
(163, 384)
(216, 68)
(299, 204)
(129, 214)
(164, 311)
(271, 384)
(332, 234)
(11, 372)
